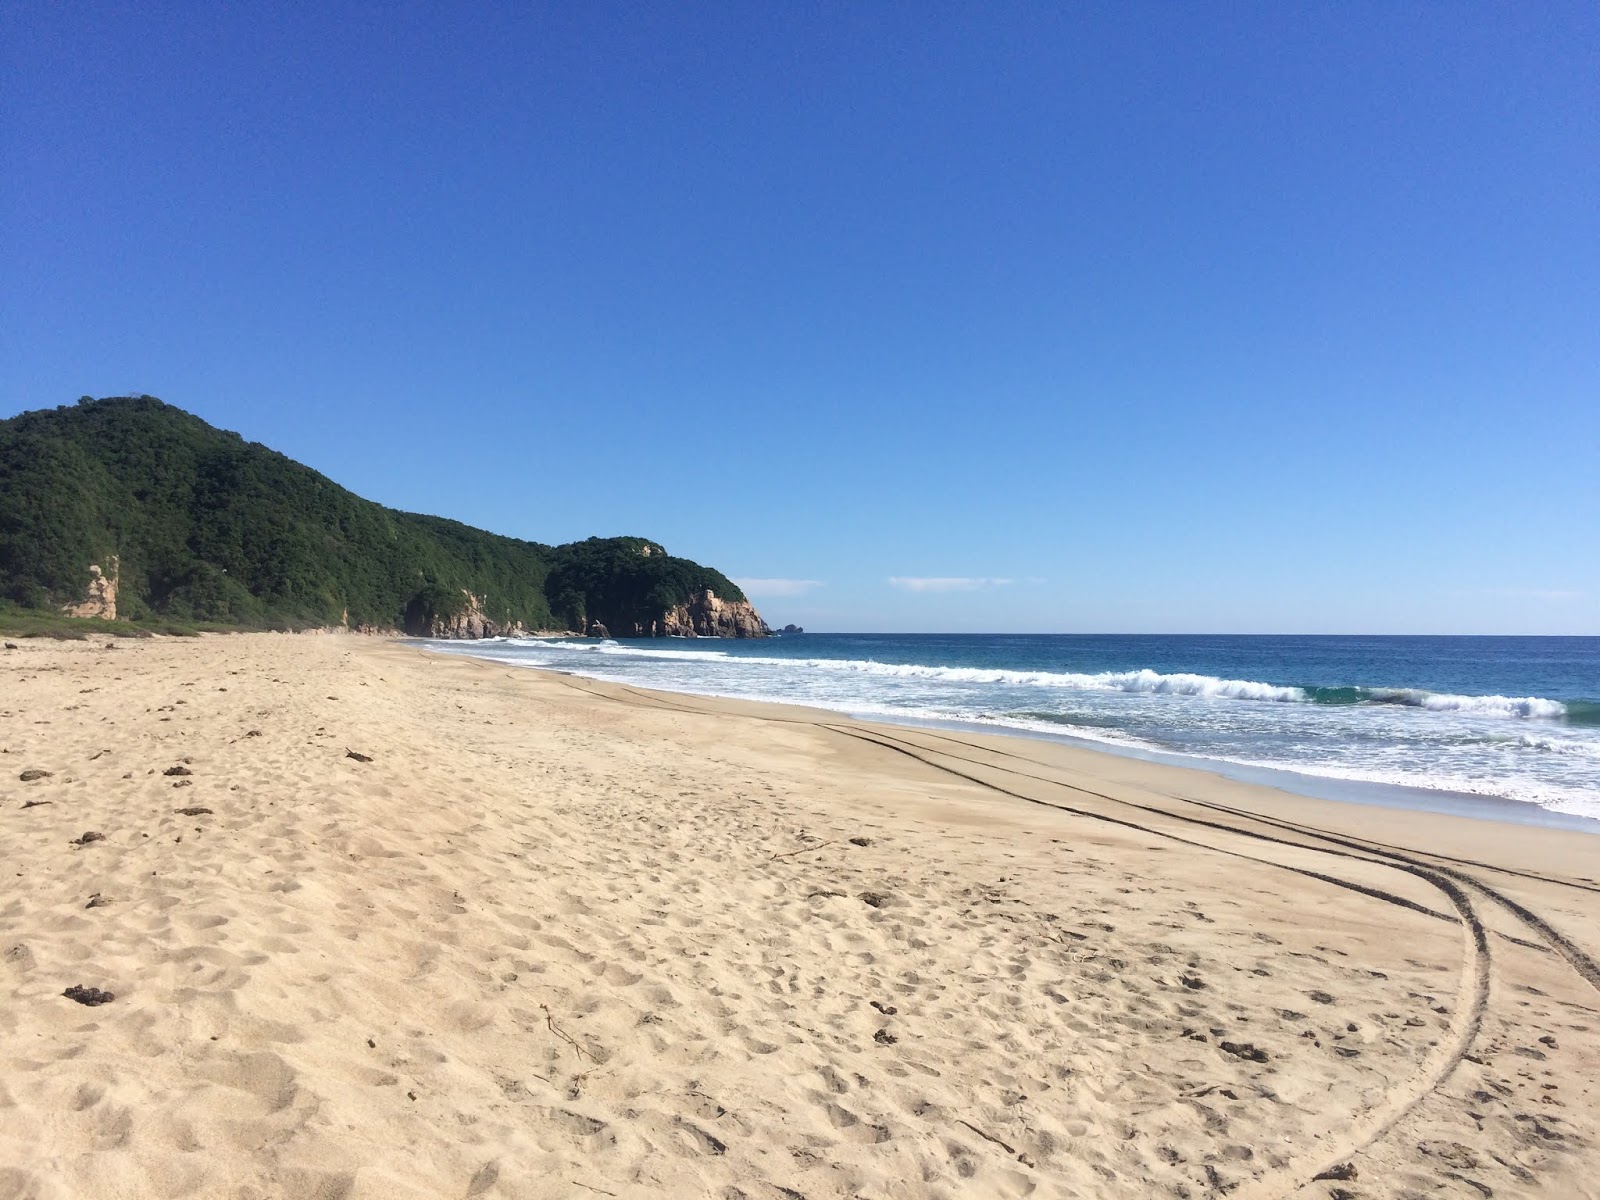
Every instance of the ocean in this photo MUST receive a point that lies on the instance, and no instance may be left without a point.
(1501, 727)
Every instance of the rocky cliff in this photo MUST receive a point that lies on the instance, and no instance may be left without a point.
(707, 615)
(101, 600)
(468, 621)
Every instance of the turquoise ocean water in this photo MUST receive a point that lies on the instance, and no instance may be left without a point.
(1492, 726)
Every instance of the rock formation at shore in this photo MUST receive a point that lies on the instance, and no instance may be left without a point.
(469, 620)
(707, 615)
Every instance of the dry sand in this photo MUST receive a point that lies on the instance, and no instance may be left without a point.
(566, 939)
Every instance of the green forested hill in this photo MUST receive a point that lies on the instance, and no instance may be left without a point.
(209, 527)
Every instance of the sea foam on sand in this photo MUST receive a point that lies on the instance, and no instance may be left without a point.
(549, 937)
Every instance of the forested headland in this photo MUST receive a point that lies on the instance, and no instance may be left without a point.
(189, 523)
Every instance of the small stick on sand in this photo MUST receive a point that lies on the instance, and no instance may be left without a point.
(549, 1020)
(802, 850)
(989, 1137)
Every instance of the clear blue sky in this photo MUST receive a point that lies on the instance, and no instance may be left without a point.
(1123, 317)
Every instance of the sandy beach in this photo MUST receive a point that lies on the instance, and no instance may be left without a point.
(382, 923)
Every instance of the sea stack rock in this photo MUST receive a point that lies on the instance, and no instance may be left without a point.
(708, 615)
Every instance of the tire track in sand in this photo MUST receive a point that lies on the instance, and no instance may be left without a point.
(1472, 992)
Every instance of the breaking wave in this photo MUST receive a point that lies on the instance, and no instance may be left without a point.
(1143, 681)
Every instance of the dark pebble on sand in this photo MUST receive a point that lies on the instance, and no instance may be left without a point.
(884, 1038)
(1342, 1172)
(861, 841)
(33, 773)
(177, 771)
(1244, 1050)
(90, 996)
(875, 899)
(89, 836)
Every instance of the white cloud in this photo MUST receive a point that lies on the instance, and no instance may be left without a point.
(945, 583)
(777, 587)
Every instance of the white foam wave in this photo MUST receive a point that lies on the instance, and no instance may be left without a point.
(1145, 681)
(1478, 706)
(1142, 682)
(1545, 794)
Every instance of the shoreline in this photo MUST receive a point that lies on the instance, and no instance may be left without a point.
(383, 923)
(1365, 793)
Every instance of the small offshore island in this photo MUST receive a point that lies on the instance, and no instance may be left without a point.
(339, 916)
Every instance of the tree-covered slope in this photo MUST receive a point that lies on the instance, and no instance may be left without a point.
(207, 526)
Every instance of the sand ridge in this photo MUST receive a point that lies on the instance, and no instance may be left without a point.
(560, 938)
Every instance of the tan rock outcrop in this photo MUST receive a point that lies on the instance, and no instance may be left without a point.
(470, 622)
(101, 600)
(708, 615)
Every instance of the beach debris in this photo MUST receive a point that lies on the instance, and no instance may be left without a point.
(1321, 997)
(177, 771)
(97, 901)
(88, 995)
(88, 836)
(1549, 1041)
(33, 773)
(349, 753)
(183, 783)
(550, 1023)
(989, 1137)
(35, 803)
(1193, 982)
(875, 899)
(196, 811)
(1246, 1050)
(252, 733)
(887, 1010)
(861, 841)
(884, 1038)
(802, 850)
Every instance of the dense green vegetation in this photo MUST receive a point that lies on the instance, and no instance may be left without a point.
(211, 529)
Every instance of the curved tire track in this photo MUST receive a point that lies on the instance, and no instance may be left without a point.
(1476, 969)
(1472, 992)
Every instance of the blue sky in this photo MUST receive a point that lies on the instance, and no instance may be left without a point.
(1209, 317)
